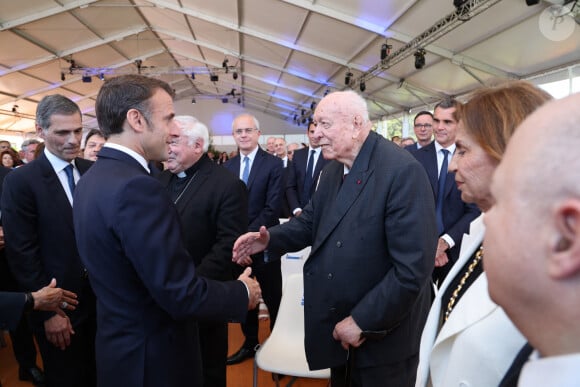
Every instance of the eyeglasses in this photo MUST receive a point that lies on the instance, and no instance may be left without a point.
(426, 126)
(240, 131)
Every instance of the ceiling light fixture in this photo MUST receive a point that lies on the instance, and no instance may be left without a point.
(62, 77)
(87, 78)
(239, 100)
(102, 76)
(385, 50)
(347, 78)
(362, 86)
(419, 58)
(193, 101)
(15, 109)
(192, 75)
(214, 77)
(224, 100)
(235, 75)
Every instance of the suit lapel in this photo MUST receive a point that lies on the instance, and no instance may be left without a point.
(345, 193)
(256, 167)
(55, 190)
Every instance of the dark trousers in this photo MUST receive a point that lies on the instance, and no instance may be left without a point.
(213, 342)
(401, 374)
(76, 365)
(23, 344)
(269, 275)
(22, 336)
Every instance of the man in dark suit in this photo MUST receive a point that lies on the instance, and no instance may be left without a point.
(213, 210)
(373, 236)
(423, 127)
(453, 214)
(263, 175)
(281, 151)
(40, 244)
(302, 177)
(130, 240)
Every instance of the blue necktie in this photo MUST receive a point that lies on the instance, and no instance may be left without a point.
(308, 179)
(246, 172)
(70, 176)
(441, 192)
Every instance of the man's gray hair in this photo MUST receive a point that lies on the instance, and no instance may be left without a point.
(54, 104)
(194, 130)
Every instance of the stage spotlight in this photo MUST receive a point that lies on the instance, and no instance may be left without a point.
(235, 75)
(102, 76)
(532, 2)
(233, 92)
(87, 78)
(347, 78)
(192, 75)
(385, 50)
(193, 101)
(362, 86)
(312, 105)
(15, 109)
(62, 77)
(224, 100)
(214, 78)
(419, 58)
(326, 92)
(239, 100)
(225, 63)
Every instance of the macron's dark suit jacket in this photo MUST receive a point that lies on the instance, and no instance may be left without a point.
(147, 289)
(11, 308)
(296, 174)
(457, 215)
(373, 239)
(213, 213)
(39, 233)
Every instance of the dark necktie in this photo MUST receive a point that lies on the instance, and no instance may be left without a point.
(246, 172)
(441, 192)
(512, 375)
(308, 179)
(70, 176)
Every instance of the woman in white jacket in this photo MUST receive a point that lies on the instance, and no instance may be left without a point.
(468, 340)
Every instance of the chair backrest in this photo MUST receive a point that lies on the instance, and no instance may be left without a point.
(283, 352)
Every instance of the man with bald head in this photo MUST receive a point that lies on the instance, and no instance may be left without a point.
(371, 225)
(532, 242)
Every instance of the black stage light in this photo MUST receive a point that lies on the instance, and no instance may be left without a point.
(419, 58)
(214, 78)
(224, 100)
(312, 105)
(192, 75)
(235, 75)
(532, 2)
(62, 77)
(87, 79)
(362, 86)
(347, 78)
(239, 100)
(193, 100)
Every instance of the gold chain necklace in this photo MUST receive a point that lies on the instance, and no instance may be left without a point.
(470, 268)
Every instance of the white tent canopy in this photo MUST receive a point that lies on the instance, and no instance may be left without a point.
(276, 57)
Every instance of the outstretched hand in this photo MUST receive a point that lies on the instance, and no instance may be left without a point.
(253, 287)
(51, 298)
(248, 244)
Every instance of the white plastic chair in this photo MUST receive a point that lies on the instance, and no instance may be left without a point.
(283, 352)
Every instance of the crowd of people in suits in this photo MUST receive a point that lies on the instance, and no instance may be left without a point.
(153, 264)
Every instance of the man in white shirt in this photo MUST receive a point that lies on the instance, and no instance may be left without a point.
(532, 243)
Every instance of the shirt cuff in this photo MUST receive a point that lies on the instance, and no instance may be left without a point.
(294, 211)
(448, 239)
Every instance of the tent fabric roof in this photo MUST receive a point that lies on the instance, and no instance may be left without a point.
(286, 53)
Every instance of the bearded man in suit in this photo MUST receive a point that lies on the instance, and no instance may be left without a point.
(371, 224)
(213, 211)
